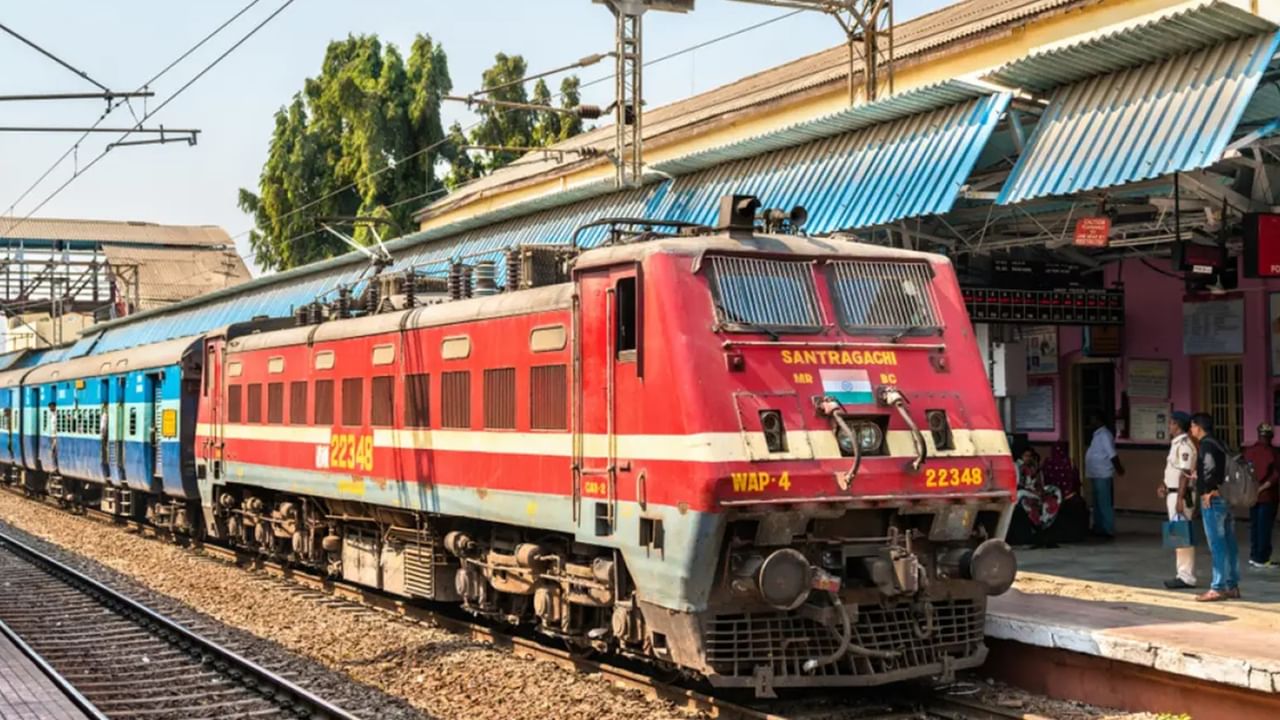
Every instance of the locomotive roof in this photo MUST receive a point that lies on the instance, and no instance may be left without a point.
(169, 352)
(756, 242)
(549, 297)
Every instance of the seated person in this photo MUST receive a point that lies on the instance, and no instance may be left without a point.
(1072, 523)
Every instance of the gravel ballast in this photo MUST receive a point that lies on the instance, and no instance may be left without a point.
(402, 665)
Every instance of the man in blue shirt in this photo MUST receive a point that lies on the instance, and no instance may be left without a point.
(1102, 466)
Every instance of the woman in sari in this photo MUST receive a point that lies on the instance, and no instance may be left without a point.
(1072, 524)
(1038, 502)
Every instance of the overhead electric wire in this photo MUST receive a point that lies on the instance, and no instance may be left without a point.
(441, 142)
(151, 113)
(112, 106)
(34, 46)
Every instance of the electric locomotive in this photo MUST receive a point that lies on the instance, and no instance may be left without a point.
(765, 459)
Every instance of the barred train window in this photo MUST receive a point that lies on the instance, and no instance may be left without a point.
(233, 404)
(548, 398)
(254, 401)
(891, 297)
(382, 398)
(455, 399)
(298, 402)
(324, 402)
(275, 403)
(752, 292)
(353, 402)
(417, 401)
(500, 398)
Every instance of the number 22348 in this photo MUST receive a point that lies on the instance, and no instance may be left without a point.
(953, 477)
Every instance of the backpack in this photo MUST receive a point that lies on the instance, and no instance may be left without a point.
(1239, 484)
(1239, 487)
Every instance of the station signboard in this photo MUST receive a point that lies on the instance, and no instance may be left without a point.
(1093, 232)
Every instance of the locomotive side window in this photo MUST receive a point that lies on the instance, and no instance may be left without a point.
(455, 399)
(382, 398)
(500, 399)
(275, 403)
(324, 402)
(298, 402)
(353, 402)
(417, 396)
(626, 322)
(753, 293)
(233, 404)
(548, 392)
(885, 297)
(254, 402)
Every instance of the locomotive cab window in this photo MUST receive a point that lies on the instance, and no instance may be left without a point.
(626, 318)
(761, 295)
(884, 298)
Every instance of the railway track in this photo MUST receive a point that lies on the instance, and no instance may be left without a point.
(116, 658)
(922, 704)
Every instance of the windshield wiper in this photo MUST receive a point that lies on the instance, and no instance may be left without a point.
(730, 317)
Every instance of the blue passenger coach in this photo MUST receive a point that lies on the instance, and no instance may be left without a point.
(115, 422)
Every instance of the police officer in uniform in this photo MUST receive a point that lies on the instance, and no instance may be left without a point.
(1176, 491)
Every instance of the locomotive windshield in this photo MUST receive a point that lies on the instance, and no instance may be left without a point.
(755, 293)
(880, 297)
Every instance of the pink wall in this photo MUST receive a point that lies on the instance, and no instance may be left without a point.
(1153, 330)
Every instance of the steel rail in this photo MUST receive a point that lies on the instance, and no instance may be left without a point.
(177, 634)
(710, 706)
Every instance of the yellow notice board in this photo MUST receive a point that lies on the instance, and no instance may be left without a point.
(169, 423)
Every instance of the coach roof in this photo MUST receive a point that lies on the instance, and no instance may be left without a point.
(169, 352)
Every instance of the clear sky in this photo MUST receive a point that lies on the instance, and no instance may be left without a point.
(122, 43)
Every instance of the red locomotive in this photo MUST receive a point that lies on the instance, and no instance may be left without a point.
(767, 459)
(762, 458)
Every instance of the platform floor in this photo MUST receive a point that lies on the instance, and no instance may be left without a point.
(1108, 600)
(26, 693)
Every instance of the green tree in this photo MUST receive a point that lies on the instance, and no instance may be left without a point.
(370, 121)
(508, 127)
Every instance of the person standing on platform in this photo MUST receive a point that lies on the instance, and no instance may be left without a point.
(1262, 516)
(1219, 526)
(1176, 491)
(1102, 466)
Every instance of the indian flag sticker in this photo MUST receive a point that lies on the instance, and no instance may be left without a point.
(852, 387)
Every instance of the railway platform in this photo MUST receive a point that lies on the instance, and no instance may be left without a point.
(1094, 622)
(26, 693)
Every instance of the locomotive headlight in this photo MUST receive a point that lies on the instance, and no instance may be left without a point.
(869, 437)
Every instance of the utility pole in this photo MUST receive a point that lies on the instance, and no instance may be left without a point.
(628, 154)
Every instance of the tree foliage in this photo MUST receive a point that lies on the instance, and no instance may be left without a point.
(364, 138)
(361, 122)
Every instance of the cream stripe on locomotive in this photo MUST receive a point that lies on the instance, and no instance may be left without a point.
(698, 447)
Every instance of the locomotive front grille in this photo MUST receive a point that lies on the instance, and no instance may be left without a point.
(738, 644)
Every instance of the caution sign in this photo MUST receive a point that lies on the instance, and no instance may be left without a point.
(1093, 232)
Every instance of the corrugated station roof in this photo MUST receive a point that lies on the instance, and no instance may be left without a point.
(911, 38)
(1148, 40)
(111, 231)
(1141, 123)
(169, 274)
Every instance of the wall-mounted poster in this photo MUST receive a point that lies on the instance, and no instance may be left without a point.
(1147, 379)
(1149, 422)
(1274, 327)
(1042, 349)
(1213, 327)
(1033, 410)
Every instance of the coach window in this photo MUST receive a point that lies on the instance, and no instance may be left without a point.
(233, 404)
(298, 402)
(324, 402)
(275, 403)
(626, 319)
(353, 402)
(254, 401)
(417, 396)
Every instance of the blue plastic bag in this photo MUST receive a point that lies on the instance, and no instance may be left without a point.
(1177, 533)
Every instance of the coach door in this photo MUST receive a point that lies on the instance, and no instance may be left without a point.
(117, 420)
(104, 424)
(210, 450)
(154, 420)
(609, 368)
